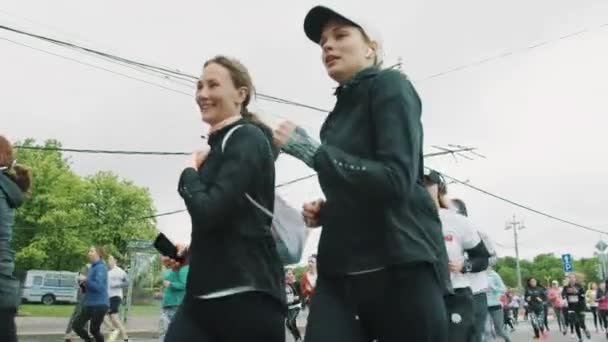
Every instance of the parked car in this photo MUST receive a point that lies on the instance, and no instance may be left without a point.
(49, 287)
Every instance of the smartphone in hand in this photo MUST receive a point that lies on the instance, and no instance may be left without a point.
(167, 248)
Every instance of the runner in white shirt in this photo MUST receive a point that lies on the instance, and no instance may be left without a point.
(479, 278)
(461, 239)
(117, 281)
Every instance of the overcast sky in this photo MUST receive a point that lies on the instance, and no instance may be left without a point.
(538, 114)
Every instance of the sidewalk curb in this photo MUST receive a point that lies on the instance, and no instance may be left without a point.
(134, 333)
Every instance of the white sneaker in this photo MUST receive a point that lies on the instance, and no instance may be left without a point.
(113, 335)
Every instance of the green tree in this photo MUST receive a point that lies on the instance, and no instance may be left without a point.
(508, 275)
(67, 213)
(587, 268)
(546, 268)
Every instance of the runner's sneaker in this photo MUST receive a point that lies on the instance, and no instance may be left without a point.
(113, 335)
(588, 334)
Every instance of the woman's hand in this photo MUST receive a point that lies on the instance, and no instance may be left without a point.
(455, 266)
(197, 158)
(173, 264)
(283, 133)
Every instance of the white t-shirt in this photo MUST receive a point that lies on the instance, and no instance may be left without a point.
(116, 278)
(459, 235)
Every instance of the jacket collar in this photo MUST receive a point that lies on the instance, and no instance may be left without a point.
(360, 76)
(13, 193)
(219, 133)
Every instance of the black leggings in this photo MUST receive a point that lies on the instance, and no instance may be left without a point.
(577, 322)
(250, 316)
(8, 330)
(603, 318)
(480, 302)
(515, 314)
(537, 319)
(594, 312)
(379, 305)
(461, 315)
(291, 323)
(95, 314)
(508, 318)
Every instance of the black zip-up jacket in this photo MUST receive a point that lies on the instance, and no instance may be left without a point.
(11, 198)
(370, 166)
(231, 241)
(575, 297)
(536, 298)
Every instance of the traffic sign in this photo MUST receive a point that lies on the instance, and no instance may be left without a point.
(567, 263)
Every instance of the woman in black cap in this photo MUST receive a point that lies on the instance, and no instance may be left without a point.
(382, 261)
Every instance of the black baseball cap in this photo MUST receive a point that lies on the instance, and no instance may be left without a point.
(317, 18)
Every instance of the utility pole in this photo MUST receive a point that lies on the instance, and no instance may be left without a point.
(516, 225)
(601, 247)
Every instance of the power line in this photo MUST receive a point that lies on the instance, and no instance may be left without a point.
(506, 54)
(525, 207)
(161, 70)
(74, 150)
(296, 180)
(98, 67)
(103, 223)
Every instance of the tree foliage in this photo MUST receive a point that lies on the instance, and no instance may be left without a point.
(67, 213)
(546, 268)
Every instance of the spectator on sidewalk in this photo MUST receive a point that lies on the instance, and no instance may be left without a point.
(97, 302)
(309, 281)
(174, 284)
(292, 290)
(81, 296)
(15, 183)
(117, 281)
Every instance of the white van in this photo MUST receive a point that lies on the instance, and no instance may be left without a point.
(48, 287)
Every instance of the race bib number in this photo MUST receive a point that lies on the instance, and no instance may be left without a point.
(572, 299)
